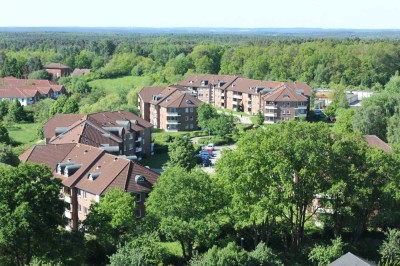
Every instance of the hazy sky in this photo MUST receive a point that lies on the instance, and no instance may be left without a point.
(362, 14)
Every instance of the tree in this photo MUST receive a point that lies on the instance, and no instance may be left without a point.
(260, 118)
(323, 255)
(205, 112)
(181, 153)
(34, 64)
(222, 124)
(84, 59)
(184, 204)
(4, 137)
(78, 85)
(390, 248)
(16, 112)
(40, 74)
(7, 156)
(344, 121)
(231, 255)
(142, 250)
(58, 105)
(263, 256)
(71, 106)
(30, 213)
(370, 120)
(393, 129)
(274, 179)
(393, 85)
(113, 219)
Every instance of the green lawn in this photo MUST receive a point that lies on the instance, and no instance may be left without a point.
(156, 161)
(173, 248)
(129, 82)
(23, 133)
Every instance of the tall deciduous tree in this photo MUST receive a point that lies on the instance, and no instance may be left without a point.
(185, 204)
(113, 219)
(4, 137)
(16, 112)
(181, 153)
(323, 255)
(277, 176)
(30, 212)
(7, 156)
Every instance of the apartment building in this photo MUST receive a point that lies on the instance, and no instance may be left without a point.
(118, 132)
(284, 104)
(88, 173)
(57, 70)
(28, 91)
(251, 96)
(171, 109)
(208, 88)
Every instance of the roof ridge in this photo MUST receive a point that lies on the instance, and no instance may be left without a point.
(112, 180)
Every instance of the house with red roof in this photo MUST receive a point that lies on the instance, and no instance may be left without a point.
(118, 132)
(87, 173)
(28, 91)
(57, 70)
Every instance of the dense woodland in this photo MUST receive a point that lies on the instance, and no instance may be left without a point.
(256, 208)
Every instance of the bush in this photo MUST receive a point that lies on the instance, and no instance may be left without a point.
(217, 140)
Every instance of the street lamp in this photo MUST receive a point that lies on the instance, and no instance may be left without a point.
(241, 242)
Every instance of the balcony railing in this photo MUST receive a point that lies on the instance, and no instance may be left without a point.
(68, 214)
(302, 107)
(237, 96)
(173, 114)
(271, 114)
(67, 199)
(138, 149)
(271, 107)
(139, 139)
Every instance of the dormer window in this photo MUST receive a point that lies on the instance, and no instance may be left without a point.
(93, 176)
(139, 179)
(71, 169)
(188, 102)
(286, 96)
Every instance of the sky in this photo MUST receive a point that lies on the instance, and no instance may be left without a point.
(343, 14)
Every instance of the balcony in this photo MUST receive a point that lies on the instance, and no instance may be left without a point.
(274, 107)
(235, 96)
(173, 114)
(301, 107)
(139, 139)
(138, 149)
(271, 114)
(173, 122)
(67, 198)
(68, 214)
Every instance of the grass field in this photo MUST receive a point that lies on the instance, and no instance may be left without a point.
(156, 161)
(112, 85)
(23, 133)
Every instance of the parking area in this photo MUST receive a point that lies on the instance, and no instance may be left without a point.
(217, 154)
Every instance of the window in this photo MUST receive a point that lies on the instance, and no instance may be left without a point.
(191, 118)
(138, 213)
(79, 208)
(85, 210)
(191, 109)
(283, 112)
(186, 118)
(186, 126)
(191, 126)
(84, 194)
(79, 193)
(288, 112)
(131, 146)
(143, 140)
(138, 197)
(146, 196)
(186, 110)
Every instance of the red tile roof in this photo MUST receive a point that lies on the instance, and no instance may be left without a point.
(284, 94)
(147, 93)
(11, 87)
(60, 120)
(375, 142)
(112, 171)
(55, 66)
(179, 99)
(196, 80)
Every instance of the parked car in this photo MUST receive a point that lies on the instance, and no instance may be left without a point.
(206, 162)
(210, 146)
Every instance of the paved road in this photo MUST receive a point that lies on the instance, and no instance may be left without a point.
(243, 119)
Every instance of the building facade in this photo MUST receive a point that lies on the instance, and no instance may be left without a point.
(88, 173)
(171, 109)
(57, 70)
